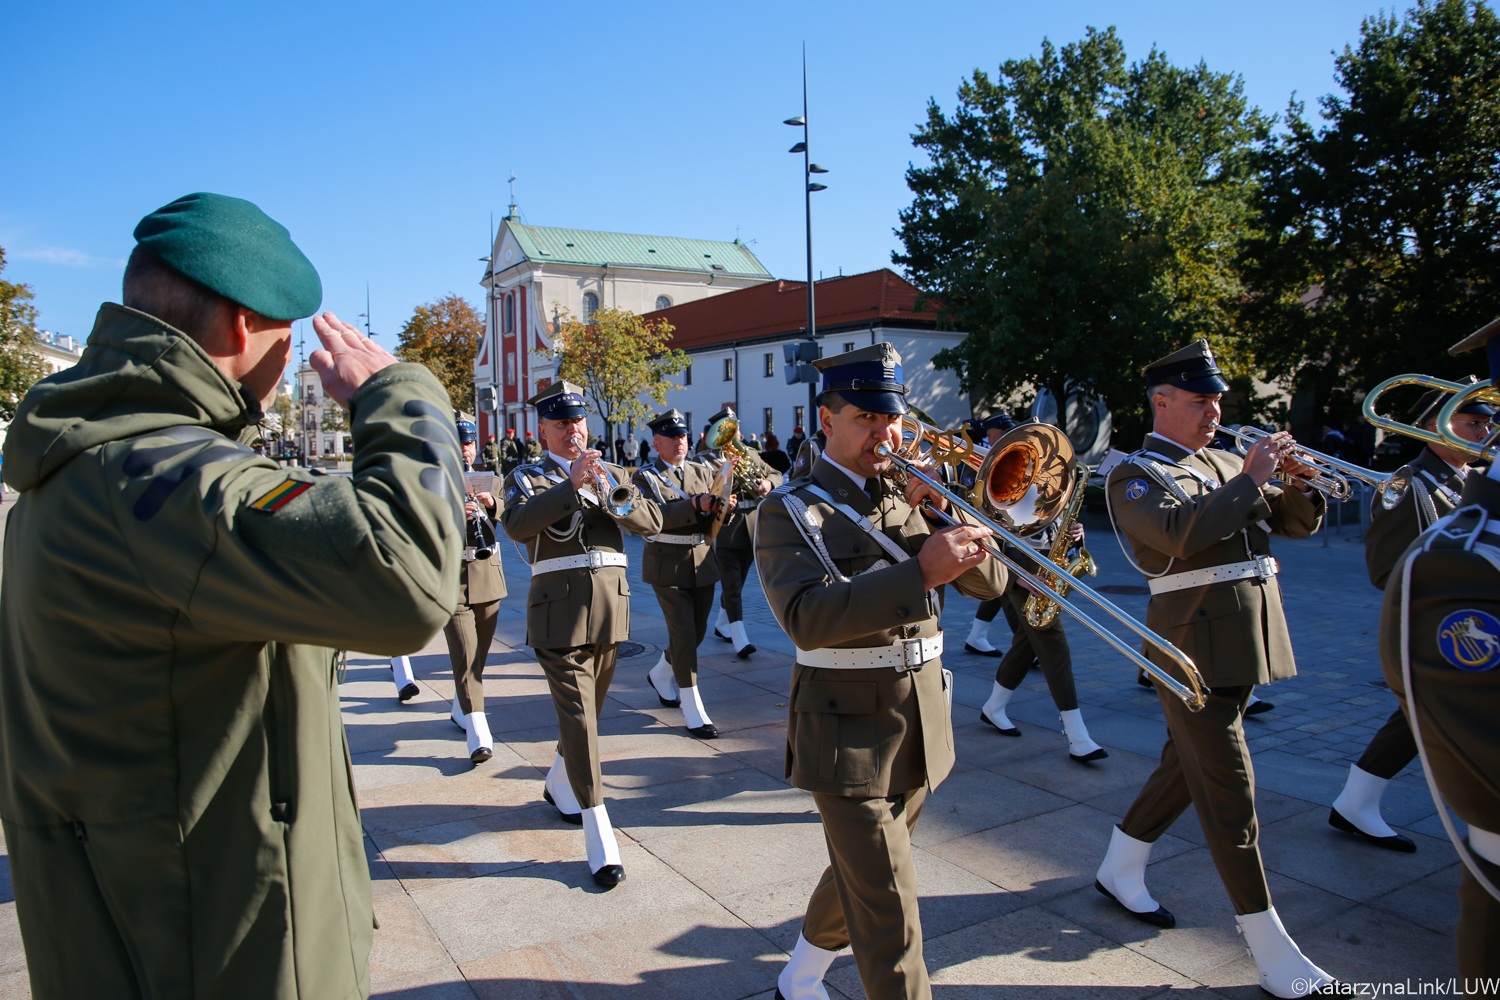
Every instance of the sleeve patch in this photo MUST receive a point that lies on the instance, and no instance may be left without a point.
(281, 495)
(1135, 489)
(1470, 640)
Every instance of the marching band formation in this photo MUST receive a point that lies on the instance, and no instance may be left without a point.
(881, 512)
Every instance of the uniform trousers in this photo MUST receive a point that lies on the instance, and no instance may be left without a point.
(1478, 936)
(1048, 646)
(579, 678)
(686, 610)
(469, 633)
(734, 568)
(1206, 763)
(1390, 749)
(867, 897)
(989, 609)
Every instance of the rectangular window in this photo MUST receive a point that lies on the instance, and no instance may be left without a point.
(770, 422)
(798, 412)
(770, 365)
(687, 375)
(849, 347)
(729, 369)
(510, 368)
(688, 418)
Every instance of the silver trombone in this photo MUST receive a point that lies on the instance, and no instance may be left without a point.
(1332, 474)
(1023, 482)
(618, 500)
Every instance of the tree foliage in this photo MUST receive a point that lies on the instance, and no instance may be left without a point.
(1381, 228)
(445, 335)
(21, 364)
(1081, 217)
(617, 357)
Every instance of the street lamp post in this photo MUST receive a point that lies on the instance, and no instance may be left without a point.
(809, 186)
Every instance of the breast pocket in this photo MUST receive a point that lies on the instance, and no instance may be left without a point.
(836, 728)
(853, 551)
(1188, 621)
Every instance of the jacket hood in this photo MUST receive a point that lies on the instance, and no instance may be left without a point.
(137, 375)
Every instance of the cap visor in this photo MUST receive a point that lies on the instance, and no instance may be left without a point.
(1478, 338)
(1479, 409)
(1210, 384)
(876, 402)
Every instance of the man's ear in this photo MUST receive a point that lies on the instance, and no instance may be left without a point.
(244, 324)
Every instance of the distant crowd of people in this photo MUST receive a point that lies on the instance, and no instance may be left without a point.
(502, 455)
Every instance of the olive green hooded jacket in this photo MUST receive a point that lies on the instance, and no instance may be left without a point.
(174, 779)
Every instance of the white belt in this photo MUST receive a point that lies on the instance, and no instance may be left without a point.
(1264, 567)
(903, 654)
(678, 539)
(589, 561)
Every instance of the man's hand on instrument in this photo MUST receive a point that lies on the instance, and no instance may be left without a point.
(950, 553)
(471, 507)
(1297, 473)
(916, 491)
(1075, 532)
(579, 472)
(485, 498)
(764, 486)
(1265, 455)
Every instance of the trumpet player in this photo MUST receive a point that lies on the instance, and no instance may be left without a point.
(578, 610)
(734, 547)
(1415, 497)
(481, 585)
(1199, 523)
(679, 565)
(854, 572)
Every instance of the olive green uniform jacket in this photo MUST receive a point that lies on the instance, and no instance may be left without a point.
(739, 526)
(572, 607)
(174, 778)
(1413, 498)
(861, 733)
(1234, 630)
(668, 565)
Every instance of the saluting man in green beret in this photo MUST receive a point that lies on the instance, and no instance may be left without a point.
(174, 779)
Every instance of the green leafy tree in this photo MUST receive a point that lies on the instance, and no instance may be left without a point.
(617, 357)
(1381, 230)
(445, 335)
(1081, 217)
(21, 364)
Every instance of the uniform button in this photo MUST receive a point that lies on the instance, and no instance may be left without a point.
(1203, 612)
(856, 548)
(833, 704)
(902, 612)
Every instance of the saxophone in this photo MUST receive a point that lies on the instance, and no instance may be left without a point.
(1041, 612)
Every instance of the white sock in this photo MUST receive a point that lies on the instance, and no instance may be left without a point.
(995, 707)
(1252, 701)
(1359, 802)
(1284, 970)
(737, 633)
(1123, 872)
(401, 672)
(599, 839)
(666, 682)
(1079, 742)
(693, 711)
(561, 789)
(802, 979)
(722, 625)
(478, 728)
(457, 715)
(979, 636)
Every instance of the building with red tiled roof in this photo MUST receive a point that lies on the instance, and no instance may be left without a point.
(735, 341)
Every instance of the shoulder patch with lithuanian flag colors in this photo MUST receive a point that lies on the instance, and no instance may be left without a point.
(282, 495)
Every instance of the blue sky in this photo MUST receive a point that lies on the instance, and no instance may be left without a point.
(382, 135)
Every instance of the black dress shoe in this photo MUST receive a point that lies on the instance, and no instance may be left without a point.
(1003, 732)
(721, 635)
(1142, 679)
(705, 732)
(610, 875)
(674, 703)
(575, 818)
(744, 654)
(982, 652)
(1259, 707)
(1393, 843)
(1158, 917)
(409, 692)
(481, 755)
(1087, 758)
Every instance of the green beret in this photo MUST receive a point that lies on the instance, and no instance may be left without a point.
(235, 249)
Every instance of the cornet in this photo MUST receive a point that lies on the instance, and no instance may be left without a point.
(618, 500)
(1018, 486)
(1331, 475)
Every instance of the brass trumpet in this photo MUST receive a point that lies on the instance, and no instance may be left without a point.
(1332, 474)
(1016, 488)
(616, 499)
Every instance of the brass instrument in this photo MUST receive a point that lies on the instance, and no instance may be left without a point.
(1460, 395)
(1016, 488)
(723, 437)
(1041, 612)
(616, 499)
(1332, 475)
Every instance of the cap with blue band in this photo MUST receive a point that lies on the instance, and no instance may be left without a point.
(869, 378)
(669, 424)
(467, 432)
(1192, 369)
(559, 401)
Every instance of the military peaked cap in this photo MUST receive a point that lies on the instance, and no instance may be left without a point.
(669, 424)
(869, 378)
(1192, 369)
(559, 401)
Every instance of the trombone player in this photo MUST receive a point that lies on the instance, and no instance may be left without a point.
(1199, 523)
(578, 610)
(1417, 495)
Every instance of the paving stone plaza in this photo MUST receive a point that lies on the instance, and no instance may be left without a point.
(482, 892)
